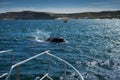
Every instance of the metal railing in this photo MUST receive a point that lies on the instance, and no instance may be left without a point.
(5, 51)
(12, 60)
(47, 74)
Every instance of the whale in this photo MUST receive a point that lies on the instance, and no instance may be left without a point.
(56, 40)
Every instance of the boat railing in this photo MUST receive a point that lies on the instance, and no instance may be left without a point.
(47, 74)
(12, 60)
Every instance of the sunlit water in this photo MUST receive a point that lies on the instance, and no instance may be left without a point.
(93, 46)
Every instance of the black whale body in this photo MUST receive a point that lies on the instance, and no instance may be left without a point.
(56, 40)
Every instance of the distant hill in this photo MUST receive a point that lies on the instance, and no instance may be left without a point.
(98, 15)
(31, 15)
(25, 15)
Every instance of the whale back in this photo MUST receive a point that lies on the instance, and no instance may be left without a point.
(57, 40)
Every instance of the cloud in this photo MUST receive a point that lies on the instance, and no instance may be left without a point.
(73, 10)
(5, 3)
(98, 3)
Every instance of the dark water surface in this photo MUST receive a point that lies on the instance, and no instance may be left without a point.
(93, 46)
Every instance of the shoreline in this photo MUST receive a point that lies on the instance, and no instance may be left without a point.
(31, 15)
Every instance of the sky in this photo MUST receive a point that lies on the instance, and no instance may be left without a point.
(59, 6)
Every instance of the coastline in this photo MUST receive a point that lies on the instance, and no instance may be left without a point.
(31, 15)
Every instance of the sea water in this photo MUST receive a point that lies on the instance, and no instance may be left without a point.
(93, 47)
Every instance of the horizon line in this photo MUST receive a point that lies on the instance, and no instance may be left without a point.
(58, 12)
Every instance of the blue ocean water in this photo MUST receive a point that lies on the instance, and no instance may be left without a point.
(93, 46)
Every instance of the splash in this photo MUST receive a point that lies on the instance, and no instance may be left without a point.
(41, 36)
(38, 39)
